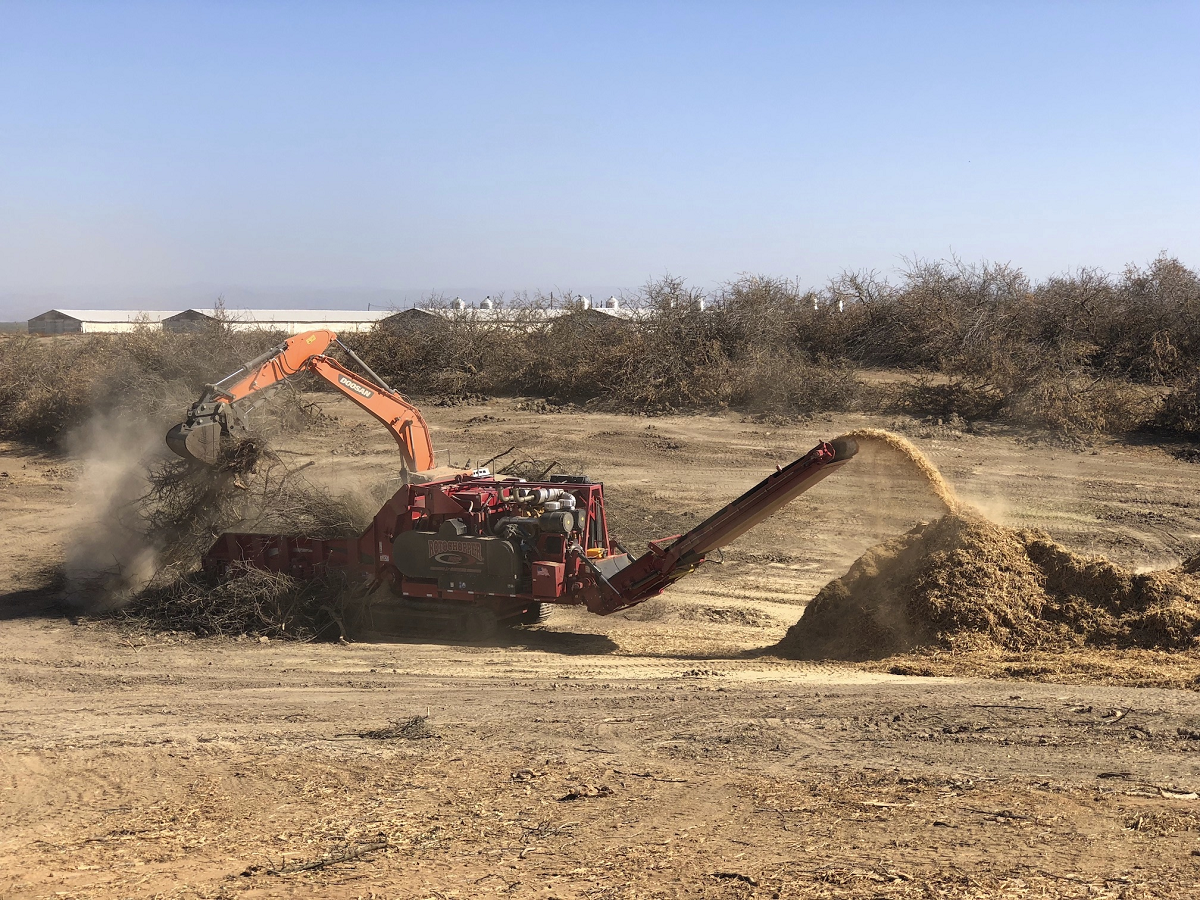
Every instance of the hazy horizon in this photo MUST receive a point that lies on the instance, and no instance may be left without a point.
(24, 305)
(344, 152)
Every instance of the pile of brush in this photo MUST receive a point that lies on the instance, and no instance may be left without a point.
(247, 601)
(187, 506)
(249, 489)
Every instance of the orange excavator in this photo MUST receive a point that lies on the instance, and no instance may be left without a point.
(224, 405)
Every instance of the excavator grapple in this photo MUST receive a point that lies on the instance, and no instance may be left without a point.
(199, 440)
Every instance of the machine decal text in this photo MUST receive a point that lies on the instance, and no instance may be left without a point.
(355, 386)
(456, 552)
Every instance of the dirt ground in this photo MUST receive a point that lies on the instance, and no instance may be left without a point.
(650, 754)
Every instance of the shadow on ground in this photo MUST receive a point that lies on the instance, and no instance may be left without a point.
(569, 643)
(564, 642)
(32, 603)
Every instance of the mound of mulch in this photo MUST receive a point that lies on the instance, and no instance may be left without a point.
(964, 583)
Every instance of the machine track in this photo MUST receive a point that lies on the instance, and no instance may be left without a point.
(383, 616)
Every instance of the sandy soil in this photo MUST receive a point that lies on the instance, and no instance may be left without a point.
(643, 755)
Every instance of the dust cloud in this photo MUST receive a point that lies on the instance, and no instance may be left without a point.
(108, 555)
(143, 518)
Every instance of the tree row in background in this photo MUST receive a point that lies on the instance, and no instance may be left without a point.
(1075, 354)
(1078, 353)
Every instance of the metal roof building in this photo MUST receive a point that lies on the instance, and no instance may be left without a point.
(514, 316)
(288, 320)
(92, 321)
(293, 321)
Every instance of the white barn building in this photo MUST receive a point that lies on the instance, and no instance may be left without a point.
(93, 321)
(294, 321)
(291, 321)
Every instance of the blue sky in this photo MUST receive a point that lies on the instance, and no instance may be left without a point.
(330, 152)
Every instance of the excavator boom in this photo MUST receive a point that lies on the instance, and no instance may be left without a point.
(222, 405)
(398, 416)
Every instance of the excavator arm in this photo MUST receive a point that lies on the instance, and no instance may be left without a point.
(222, 406)
(398, 416)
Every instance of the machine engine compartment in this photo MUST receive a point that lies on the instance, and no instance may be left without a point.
(502, 536)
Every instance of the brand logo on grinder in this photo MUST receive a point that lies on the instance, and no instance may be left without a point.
(355, 386)
(456, 553)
